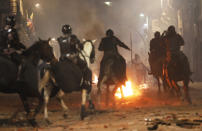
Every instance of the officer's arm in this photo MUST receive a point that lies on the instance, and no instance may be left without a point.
(101, 46)
(121, 44)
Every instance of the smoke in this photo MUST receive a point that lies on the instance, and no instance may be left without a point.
(79, 14)
(91, 18)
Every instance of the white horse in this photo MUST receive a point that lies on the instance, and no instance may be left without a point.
(87, 54)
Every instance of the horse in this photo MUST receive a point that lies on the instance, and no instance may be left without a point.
(158, 62)
(113, 73)
(28, 83)
(68, 77)
(177, 69)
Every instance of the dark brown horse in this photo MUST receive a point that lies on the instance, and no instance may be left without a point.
(28, 85)
(177, 69)
(113, 73)
(158, 61)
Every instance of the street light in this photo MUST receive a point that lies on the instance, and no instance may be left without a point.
(37, 5)
(141, 15)
(108, 3)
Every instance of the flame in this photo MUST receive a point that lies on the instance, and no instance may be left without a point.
(95, 80)
(128, 91)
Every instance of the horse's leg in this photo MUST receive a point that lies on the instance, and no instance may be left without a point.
(38, 108)
(165, 85)
(27, 109)
(91, 105)
(121, 88)
(168, 82)
(46, 100)
(25, 103)
(83, 102)
(186, 91)
(60, 95)
(99, 93)
(113, 94)
(177, 89)
(107, 95)
(159, 85)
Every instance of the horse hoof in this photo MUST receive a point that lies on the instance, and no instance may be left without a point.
(189, 101)
(46, 122)
(91, 106)
(65, 116)
(83, 113)
(33, 122)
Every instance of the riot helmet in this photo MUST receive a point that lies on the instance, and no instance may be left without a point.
(171, 29)
(109, 32)
(157, 34)
(66, 29)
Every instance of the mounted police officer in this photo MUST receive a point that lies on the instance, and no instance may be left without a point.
(70, 47)
(175, 40)
(69, 44)
(157, 50)
(109, 45)
(173, 44)
(10, 43)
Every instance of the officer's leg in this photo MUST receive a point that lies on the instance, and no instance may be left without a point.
(101, 72)
(88, 86)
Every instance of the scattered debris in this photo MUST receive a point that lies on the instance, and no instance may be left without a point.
(153, 127)
(105, 126)
(172, 119)
(187, 124)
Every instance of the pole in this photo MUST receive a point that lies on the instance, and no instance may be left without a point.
(131, 45)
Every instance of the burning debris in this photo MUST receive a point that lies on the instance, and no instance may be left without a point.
(128, 91)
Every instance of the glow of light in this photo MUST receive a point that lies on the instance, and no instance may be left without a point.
(37, 5)
(146, 25)
(108, 3)
(128, 91)
(53, 39)
(141, 15)
(95, 80)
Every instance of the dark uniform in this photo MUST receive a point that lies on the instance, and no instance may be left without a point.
(9, 40)
(173, 44)
(70, 46)
(157, 50)
(109, 46)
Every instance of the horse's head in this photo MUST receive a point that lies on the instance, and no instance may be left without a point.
(89, 50)
(42, 49)
(46, 51)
